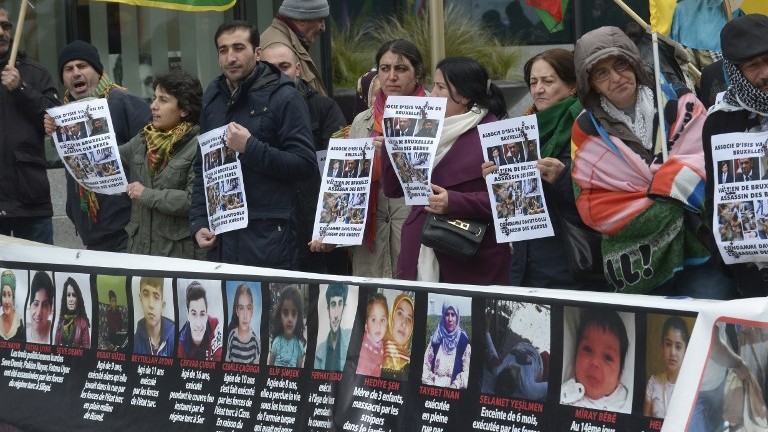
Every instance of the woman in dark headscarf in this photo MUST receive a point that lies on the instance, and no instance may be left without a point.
(446, 361)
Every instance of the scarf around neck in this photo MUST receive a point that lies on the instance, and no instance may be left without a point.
(555, 125)
(454, 127)
(642, 124)
(742, 93)
(160, 145)
(67, 331)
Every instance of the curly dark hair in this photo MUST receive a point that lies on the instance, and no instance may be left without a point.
(79, 305)
(187, 90)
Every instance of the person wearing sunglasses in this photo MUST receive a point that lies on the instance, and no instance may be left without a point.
(647, 207)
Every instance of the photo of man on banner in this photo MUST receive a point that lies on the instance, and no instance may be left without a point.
(152, 307)
(336, 313)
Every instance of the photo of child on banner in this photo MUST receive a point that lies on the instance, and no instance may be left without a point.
(223, 183)
(448, 348)
(287, 327)
(154, 316)
(598, 359)
(518, 204)
(740, 219)
(517, 358)
(344, 191)
(243, 334)
(336, 314)
(388, 336)
(113, 313)
(201, 310)
(85, 142)
(412, 128)
(667, 341)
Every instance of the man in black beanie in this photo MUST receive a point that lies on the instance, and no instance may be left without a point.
(27, 90)
(296, 24)
(744, 108)
(99, 219)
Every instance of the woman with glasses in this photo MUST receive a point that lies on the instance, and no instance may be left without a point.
(647, 208)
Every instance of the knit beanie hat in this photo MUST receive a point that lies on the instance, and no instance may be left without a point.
(304, 9)
(8, 278)
(80, 50)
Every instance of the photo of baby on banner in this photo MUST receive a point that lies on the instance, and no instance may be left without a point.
(740, 221)
(223, 183)
(517, 338)
(344, 190)
(598, 359)
(448, 348)
(518, 205)
(412, 128)
(84, 141)
(287, 325)
(386, 346)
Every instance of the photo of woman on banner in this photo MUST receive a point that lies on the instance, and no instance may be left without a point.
(517, 350)
(601, 344)
(243, 332)
(40, 308)
(335, 315)
(446, 359)
(200, 304)
(372, 350)
(668, 338)
(113, 313)
(73, 328)
(287, 327)
(396, 363)
(155, 332)
(11, 326)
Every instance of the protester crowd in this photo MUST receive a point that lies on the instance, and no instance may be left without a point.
(600, 159)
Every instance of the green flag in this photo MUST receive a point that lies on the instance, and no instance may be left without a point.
(183, 5)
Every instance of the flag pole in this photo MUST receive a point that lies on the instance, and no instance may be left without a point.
(691, 68)
(659, 101)
(17, 35)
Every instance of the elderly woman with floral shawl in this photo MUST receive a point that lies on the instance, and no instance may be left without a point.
(648, 209)
(446, 361)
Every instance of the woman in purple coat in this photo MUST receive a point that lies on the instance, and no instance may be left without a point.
(458, 187)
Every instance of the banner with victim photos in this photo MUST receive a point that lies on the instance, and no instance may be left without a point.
(86, 344)
(223, 183)
(412, 129)
(85, 141)
(740, 219)
(517, 198)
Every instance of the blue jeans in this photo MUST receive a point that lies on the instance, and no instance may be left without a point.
(38, 229)
(707, 281)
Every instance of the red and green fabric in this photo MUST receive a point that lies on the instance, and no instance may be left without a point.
(182, 5)
(551, 12)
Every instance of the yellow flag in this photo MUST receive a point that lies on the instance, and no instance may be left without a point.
(182, 5)
(755, 6)
(661, 15)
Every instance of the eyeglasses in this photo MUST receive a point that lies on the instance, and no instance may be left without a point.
(620, 65)
(6, 26)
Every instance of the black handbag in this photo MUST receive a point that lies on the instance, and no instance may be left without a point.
(459, 238)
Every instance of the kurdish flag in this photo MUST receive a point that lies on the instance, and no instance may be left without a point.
(182, 5)
(551, 12)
